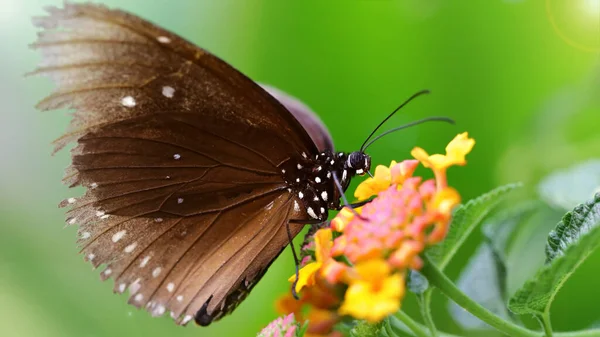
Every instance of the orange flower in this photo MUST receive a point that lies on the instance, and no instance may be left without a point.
(307, 274)
(374, 293)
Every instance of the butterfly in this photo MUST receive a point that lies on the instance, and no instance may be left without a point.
(196, 177)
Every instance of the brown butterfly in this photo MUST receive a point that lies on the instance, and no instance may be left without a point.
(194, 173)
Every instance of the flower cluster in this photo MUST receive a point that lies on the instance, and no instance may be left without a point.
(281, 327)
(357, 267)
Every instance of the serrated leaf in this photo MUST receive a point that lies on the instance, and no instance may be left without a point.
(416, 282)
(573, 240)
(465, 219)
(366, 329)
(484, 277)
(565, 189)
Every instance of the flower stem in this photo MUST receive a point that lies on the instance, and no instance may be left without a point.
(445, 285)
(582, 333)
(424, 303)
(415, 327)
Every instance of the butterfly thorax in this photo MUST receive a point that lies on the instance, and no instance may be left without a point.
(311, 179)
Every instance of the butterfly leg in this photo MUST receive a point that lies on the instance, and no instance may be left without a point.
(296, 262)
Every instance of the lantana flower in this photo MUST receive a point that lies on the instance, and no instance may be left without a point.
(357, 267)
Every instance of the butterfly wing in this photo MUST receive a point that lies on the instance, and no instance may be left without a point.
(185, 203)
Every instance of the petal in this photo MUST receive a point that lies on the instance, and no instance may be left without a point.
(421, 155)
(323, 244)
(405, 169)
(445, 200)
(372, 270)
(458, 148)
(372, 186)
(342, 219)
(306, 276)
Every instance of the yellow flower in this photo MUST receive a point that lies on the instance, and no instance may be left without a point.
(373, 294)
(456, 151)
(323, 243)
(382, 179)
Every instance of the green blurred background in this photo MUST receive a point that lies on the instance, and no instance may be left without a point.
(522, 77)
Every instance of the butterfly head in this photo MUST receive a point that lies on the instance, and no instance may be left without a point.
(359, 161)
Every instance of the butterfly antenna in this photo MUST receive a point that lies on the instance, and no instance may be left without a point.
(296, 262)
(415, 95)
(408, 125)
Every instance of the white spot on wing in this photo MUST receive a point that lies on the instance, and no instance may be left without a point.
(72, 221)
(159, 311)
(296, 206)
(176, 156)
(359, 171)
(170, 287)
(91, 256)
(118, 235)
(135, 286)
(138, 297)
(322, 210)
(130, 248)
(312, 213)
(93, 185)
(324, 195)
(122, 287)
(105, 216)
(85, 235)
(100, 213)
(158, 219)
(156, 271)
(145, 261)
(163, 39)
(107, 271)
(179, 200)
(128, 101)
(300, 195)
(168, 91)
(186, 319)
(299, 167)
(180, 298)
(318, 180)
(71, 200)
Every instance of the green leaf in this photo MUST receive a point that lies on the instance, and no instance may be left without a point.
(484, 278)
(366, 329)
(465, 219)
(417, 283)
(572, 241)
(565, 189)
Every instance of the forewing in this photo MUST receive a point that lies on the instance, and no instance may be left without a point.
(185, 203)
